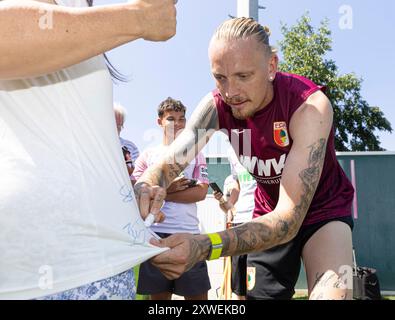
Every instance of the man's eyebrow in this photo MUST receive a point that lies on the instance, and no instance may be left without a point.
(244, 73)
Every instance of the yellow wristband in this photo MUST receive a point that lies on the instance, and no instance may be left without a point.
(216, 246)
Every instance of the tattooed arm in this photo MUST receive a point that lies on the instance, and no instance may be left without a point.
(310, 127)
(199, 129)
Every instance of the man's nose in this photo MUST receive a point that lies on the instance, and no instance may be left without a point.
(232, 90)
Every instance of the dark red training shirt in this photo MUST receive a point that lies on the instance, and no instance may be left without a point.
(265, 152)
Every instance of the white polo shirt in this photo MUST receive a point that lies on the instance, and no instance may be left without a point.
(245, 204)
(180, 217)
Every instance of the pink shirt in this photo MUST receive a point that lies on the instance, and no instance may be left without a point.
(270, 142)
(180, 217)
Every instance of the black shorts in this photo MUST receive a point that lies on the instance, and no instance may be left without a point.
(273, 273)
(239, 272)
(193, 282)
(239, 275)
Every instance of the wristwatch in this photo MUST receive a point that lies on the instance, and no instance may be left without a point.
(216, 246)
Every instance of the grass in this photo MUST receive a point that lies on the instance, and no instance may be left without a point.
(297, 296)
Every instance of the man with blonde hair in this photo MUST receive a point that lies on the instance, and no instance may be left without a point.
(280, 126)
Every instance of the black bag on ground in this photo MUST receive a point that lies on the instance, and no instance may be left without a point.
(366, 284)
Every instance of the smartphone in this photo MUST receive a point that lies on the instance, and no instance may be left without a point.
(215, 187)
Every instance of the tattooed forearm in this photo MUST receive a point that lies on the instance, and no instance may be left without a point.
(277, 228)
(184, 149)
(249, 237)
(310, 178)
(152, 175)
(170, 172)
(204, 122)
(199, 250)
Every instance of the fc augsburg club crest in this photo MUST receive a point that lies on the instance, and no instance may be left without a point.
(251, 278)
(280, 134)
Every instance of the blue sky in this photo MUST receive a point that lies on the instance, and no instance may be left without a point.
(180, 66)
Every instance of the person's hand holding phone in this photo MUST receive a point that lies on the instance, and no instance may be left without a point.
(215, 187)
(217, 195)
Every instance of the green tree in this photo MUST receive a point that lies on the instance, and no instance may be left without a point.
(304, 52)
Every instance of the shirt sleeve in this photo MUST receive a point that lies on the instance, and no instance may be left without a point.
(232, 158)
(134, 151)
(140, 166)
(300, 89)
(200, 172)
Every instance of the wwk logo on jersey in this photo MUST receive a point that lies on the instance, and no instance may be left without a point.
(280, 134)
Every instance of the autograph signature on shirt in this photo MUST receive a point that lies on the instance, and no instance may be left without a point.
(137, 232)
(126, 193)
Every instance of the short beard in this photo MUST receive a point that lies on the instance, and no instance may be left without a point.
(242, 115)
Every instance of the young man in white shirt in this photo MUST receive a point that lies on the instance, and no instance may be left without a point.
(180, 211)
